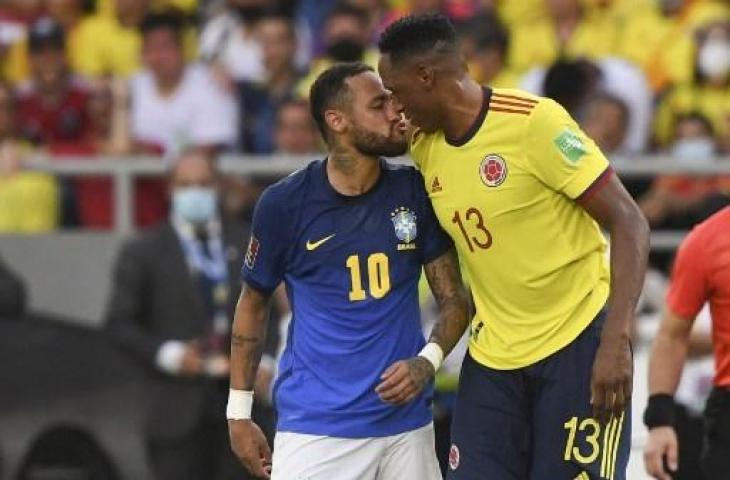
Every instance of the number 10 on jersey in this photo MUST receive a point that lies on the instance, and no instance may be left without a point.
(378, 276)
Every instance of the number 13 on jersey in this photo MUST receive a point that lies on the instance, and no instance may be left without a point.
(473, 229)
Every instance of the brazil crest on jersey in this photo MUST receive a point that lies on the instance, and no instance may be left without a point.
(351, 267)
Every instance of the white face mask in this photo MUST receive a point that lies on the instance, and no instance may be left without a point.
(698, 150)
(714, 58)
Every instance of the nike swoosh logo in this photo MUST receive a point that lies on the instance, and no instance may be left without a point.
(314, 245)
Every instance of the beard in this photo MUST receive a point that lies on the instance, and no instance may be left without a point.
(377, 145)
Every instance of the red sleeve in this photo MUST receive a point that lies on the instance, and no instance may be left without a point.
(688, 288)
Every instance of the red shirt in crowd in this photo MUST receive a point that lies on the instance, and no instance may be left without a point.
(48, 123)
(702, 274)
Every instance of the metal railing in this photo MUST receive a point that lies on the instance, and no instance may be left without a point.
(123, 171)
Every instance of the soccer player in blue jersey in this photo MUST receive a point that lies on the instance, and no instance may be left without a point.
(349, 236)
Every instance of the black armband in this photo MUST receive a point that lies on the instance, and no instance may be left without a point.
(660, 411)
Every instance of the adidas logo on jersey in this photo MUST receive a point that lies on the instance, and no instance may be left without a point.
(436, 185)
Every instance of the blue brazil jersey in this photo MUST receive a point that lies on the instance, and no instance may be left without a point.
(351, 267)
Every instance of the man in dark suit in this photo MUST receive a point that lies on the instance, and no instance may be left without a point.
(171, 305)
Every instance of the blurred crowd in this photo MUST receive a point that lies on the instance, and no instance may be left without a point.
(114, 79)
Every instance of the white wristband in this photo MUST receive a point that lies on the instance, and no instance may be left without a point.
(239, 405)
(434, 354)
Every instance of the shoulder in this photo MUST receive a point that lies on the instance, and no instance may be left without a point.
(147, 242)
(714, 229)
(283, 192)
(515, 102)
(95, 25)
(141, 83)
(401, 172)
(198, 75)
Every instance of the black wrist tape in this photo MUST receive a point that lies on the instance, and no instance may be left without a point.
(660, 411)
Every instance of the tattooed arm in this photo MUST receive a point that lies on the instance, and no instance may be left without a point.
(248, 337)
(247, 343)
(405, 379)
(444, 279)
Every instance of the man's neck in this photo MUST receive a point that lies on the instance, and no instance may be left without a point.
(465, 104)
(167, 87)
(352, 173)
(281, 81)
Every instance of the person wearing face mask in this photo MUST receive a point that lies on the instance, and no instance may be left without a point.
(172, 299)
(347, 33)
(679, 202)
(709, 92)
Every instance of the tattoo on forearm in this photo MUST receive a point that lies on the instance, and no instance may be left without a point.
(445, 282)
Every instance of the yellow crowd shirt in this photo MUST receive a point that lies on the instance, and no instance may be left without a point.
(506, 195)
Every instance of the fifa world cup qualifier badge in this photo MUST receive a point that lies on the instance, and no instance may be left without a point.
(252, 253)
(454, 457)
(493, 170)
(406, 229)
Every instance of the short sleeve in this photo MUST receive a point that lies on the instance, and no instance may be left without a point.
(434, 240)
(559, 153)
(264, 263)
(688, 287)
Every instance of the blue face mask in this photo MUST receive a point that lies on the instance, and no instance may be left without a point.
(195, 204)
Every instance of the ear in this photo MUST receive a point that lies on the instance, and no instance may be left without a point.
(336, 121)
(426, 75)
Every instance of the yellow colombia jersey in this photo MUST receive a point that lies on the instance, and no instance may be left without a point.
(505, 193)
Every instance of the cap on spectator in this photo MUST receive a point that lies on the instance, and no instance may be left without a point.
(46, 32)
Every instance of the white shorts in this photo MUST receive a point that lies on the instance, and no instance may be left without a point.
(407, 456)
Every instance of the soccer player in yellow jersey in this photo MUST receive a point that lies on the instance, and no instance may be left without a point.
(545, 389)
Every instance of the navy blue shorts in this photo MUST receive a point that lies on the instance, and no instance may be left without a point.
(535, 423)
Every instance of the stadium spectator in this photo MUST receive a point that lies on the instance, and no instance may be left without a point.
(259, 101)
(606, 121)
(187, 6)
(172, 299)
(69, 14)
(110, 44)
(573, 83)
(567, 31)
(28, 200)
(657, 36)
(107, 111)
(229, 43)
(12, 293)
(52, 108)
(15, 17)
(346, 38)
(677, 201)
(709, 92)
(177, 105)
(488, 60)
(701, 275)
(296, 133)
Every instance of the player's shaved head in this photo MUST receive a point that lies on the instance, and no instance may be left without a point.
(331, 90)
(417, 35)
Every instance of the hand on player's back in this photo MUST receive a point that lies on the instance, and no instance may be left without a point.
(250, 446)
(404, 380)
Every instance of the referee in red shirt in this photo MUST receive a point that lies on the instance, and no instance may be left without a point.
(701, 275)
